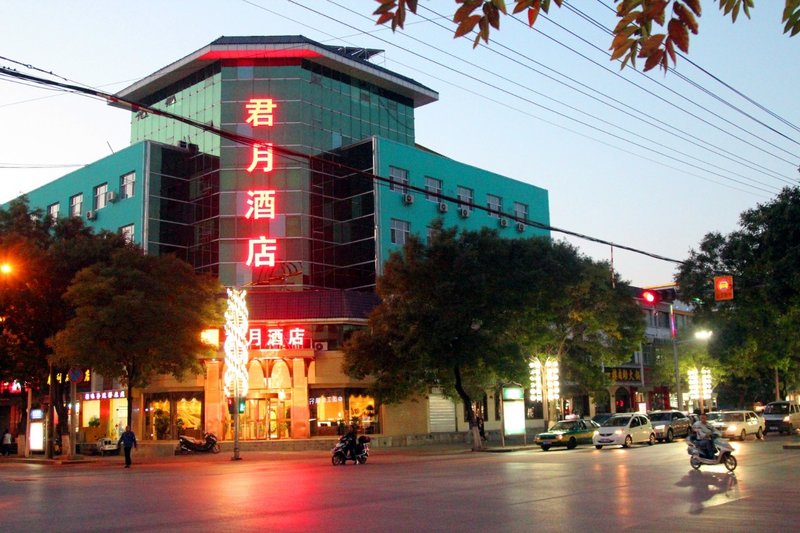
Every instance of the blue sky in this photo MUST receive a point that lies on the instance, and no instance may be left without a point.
(650, 161)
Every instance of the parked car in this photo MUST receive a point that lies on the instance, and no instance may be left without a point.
(567, 433)
(601, 417)
(782, 417)
(739, 424)
(623, 430)
(669, 425)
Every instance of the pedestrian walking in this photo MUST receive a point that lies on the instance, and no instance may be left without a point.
(7, 442)
(128, 441)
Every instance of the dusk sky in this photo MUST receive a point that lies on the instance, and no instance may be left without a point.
(651, 161)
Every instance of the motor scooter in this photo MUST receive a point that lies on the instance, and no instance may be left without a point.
(340, 455)
(190, 445)
(723, 453)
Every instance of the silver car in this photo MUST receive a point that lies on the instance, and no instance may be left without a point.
(669, 425)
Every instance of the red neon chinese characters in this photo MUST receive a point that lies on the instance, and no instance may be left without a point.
(261, 204)
(274, 338)
(261, 154)
(296, 337)
(260, 111)
(261, 252)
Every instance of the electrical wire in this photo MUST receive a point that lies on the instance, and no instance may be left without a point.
(249, 141)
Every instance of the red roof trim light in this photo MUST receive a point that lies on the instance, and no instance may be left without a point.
(259, 54)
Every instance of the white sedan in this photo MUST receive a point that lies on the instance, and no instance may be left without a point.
(624, 429)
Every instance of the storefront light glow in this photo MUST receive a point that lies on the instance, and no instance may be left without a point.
(536, 380)
(236, 352)
(694, 384)
(552, 377)
(705, 383)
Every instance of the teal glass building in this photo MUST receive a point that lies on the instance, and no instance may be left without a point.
(303, 217)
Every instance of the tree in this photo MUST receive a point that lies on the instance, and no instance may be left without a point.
(758, 329)
(137, 316)
(633, 35)
(44, 256)
(467, 311)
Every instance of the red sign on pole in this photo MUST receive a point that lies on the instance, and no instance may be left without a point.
(723, 288)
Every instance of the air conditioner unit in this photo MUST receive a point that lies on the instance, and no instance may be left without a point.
(463, 212)
(520, 227)
(91, 215)
(503, 222)
(111, 196)
(442, 207)
(320, 346)
(408, 198)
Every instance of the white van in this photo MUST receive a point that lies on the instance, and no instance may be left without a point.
(781, 417)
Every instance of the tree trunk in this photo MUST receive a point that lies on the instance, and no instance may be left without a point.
(777, 385)
(477, 443)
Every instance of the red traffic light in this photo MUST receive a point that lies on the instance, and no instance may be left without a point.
(650, 297)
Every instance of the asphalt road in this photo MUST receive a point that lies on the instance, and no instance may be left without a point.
(447, 489)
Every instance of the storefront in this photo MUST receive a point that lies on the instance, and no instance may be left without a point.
(103, 414)
(170, 414)
(332, 410)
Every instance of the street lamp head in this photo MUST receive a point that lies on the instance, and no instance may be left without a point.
(6, 268)
(703, 334)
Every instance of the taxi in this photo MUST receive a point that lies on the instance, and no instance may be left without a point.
(567, 433)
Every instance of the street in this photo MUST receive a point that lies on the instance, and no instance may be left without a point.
(405, 489)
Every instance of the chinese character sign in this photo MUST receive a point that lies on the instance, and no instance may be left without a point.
(275, 338)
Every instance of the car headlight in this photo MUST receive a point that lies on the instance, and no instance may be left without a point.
(618, 432)
(732, 427)
(787, 418)
(659, 428)
(559, 437)
(596, 433)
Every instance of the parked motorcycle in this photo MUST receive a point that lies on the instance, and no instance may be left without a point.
(190, 445)
(723, 454)
(340, 454)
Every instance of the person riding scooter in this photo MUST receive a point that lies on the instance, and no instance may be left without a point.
(350, 440)
(704, 437)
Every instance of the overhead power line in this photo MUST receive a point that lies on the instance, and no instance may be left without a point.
(250, 141)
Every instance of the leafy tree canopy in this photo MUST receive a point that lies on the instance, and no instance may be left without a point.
(137, 316)
(758, 328)
(645, 28)
(469, 310)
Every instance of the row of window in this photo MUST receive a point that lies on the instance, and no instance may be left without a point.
(398, 182)
(102, 197)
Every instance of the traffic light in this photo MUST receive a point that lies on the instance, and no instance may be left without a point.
(232, 403)
(650, 297)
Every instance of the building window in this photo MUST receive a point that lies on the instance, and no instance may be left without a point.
(398, 179)
(52, 210)
(126, 182)
(495, 205)
(433, 189)
(75, 205)
(127, 232)
(464, 197)
(521, 211)
(400, 231)
(100, 197)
